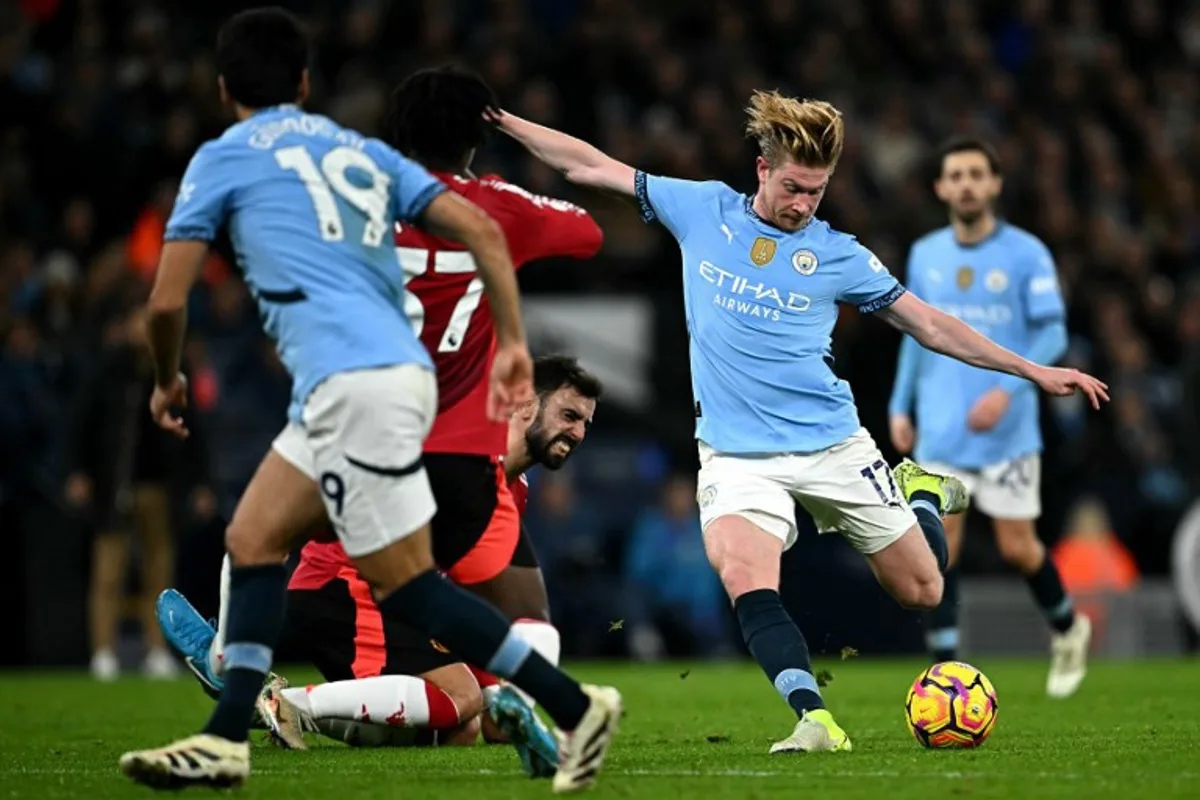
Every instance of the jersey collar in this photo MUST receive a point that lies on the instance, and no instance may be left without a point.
(1000, 224)
(275, 109)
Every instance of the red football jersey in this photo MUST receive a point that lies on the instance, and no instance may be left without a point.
(446, 303)
(321, 561)
(519, 488)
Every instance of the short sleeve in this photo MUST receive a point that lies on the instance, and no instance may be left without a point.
(866, 282)
(203, 202)
(537, 226)
(1042, 297)
(413, 187)
(671, 201)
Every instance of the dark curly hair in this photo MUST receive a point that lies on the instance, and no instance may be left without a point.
(437, 114)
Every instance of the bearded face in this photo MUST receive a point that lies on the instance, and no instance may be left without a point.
(559, 426)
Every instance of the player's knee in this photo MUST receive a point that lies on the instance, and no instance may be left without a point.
(741, 575)
(745, 559)
(920, 592)
(917, 590)
(247, 549)
(467, 698)
(238, 543)
(740, 571)
(1020, 547)
(468, 702)
(929, 595)
(465, 735)
(1011, 550)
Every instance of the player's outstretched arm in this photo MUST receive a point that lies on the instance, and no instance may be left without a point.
(451, 216)
(579, 161)
(944, 334)
(166, 322)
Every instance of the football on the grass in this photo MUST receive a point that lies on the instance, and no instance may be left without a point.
(951, 705)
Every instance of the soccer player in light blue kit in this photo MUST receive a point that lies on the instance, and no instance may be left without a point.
(762, 279)
(976, 425)
(311, 207)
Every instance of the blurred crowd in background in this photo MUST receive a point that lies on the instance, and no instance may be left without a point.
(1094, 106)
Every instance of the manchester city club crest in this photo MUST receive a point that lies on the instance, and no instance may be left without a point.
(762, 251)
(804, 262)
(964, 278)
(707, 496)
(996, 280)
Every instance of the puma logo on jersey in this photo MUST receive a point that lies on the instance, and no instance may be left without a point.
(728, 233)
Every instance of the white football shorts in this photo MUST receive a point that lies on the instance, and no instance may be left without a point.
(1009, 490)
(846, 488)
(361, 442)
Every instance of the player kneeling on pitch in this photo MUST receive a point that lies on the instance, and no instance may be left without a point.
(388, 684)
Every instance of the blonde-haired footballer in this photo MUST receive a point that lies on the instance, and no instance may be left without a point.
(762, 281)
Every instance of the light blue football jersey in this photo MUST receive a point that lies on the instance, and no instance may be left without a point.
(761, 304)
(1005, 287)
(311, 207)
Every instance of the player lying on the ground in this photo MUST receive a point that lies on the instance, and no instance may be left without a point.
(762, 278)
(388, 684)
(979, 426)
(311, 208)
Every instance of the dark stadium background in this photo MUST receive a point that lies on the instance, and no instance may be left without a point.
(1095, 107)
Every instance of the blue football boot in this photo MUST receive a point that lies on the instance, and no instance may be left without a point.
(190, 635)
(534, 743)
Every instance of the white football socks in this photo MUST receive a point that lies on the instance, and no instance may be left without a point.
(545, 641)
(401, 701)
(217, 648)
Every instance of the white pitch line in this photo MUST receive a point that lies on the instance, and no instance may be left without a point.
(666, 773)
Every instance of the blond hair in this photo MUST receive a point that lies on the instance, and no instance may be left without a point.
(810, 132)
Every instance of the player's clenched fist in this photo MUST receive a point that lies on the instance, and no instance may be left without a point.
(164, 398)
(988, 410)
(511, 382)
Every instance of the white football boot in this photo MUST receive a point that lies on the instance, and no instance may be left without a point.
(201, 760)
(816, 732)
(581, 752)
(1068, 658)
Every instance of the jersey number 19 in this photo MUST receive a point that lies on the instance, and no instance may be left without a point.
(321, 184)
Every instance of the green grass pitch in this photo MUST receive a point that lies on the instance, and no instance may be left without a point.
(690, 731)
